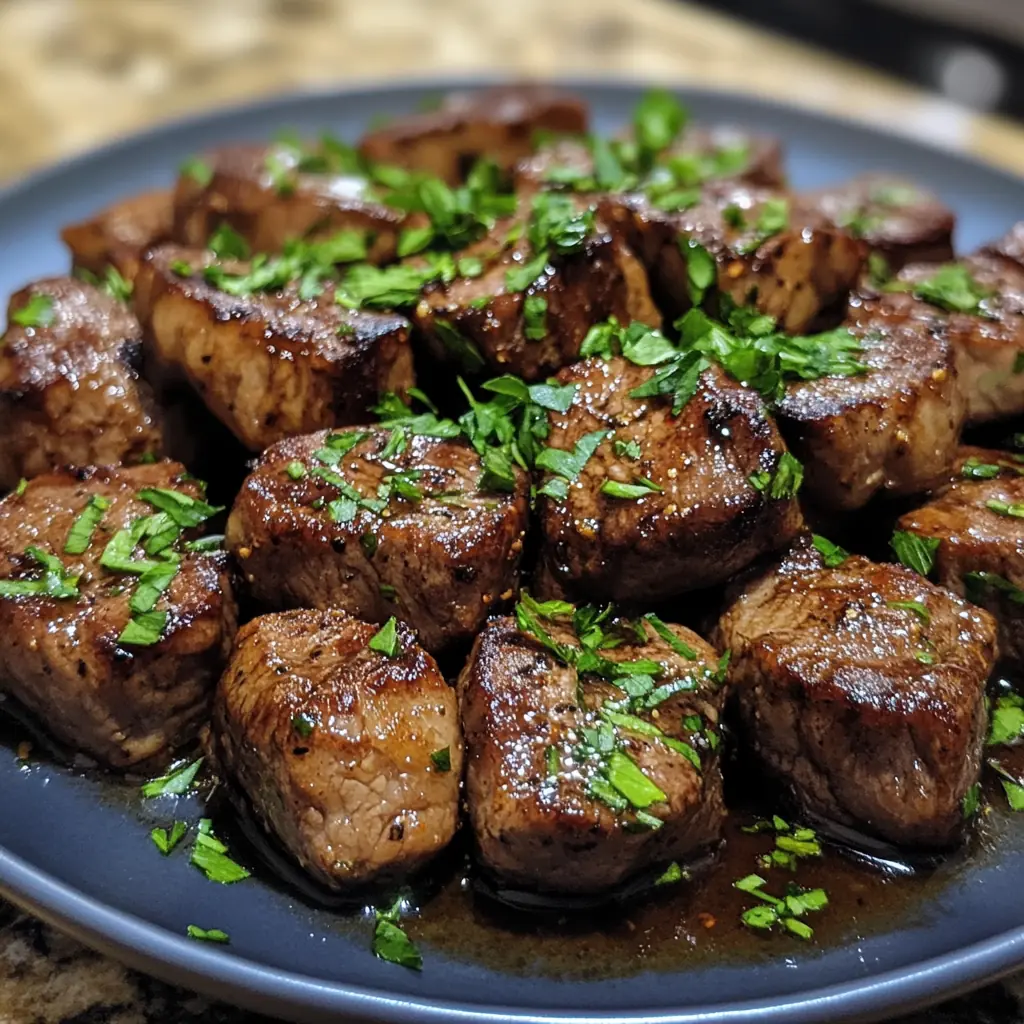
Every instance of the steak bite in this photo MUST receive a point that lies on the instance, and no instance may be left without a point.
(380, 522)
(275, 194)
(70, 392)
(118, 235)
(545, 278)
(895, 218)
(983, 296)
(893, 428)
(980, 534)
(500, 124)
(757, 247)
(666, 502)
(577, 780)
(269, 364)
(861, 688)
(348, 749)
(113, 627)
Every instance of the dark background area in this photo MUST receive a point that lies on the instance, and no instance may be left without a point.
(968, 50)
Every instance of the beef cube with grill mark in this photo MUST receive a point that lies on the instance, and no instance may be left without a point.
(272, 195)
(70, 392)
(573, 785)
(892, 429)
(766, 250)
(903, 223)
(690, 515)
(861, 688)
(310, 528)
(349, 756)
(126, 693)
(530, 322)
(980, 553)
(500, 124)
(270, 364)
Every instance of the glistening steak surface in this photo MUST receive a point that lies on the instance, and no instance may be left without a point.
(700, 521)
(530, 781)
(438, 552)
(70, 392)
(861, 688)
(69, 659)
(332, 743)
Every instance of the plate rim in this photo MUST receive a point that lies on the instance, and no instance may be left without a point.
(175, 959)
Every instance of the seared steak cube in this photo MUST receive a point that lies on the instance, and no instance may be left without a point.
(500, 124)
(113, 629)
(895, 218)
(526, 314)
(699, 156)
(347, 749)
(269, 364)
(118, 235)
(983, 296)
(380, 522)
(891, 429)
(757, 247)
(70, 392)
(861, 688)
(576, 780)
(667, 503)
(980, 553)
(274, 194)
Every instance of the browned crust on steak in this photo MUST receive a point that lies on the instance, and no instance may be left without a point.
(441, 564)
(548, 833)
(894, 217)
(893, 429)
(795, 276)
(119, 234)
(70, 392)
(354, 796)
(974, 538)
(499, 124)
(269, 365)
(707, 522)
(242, 194)
(836, 704)
(124, 705)
(602, 280)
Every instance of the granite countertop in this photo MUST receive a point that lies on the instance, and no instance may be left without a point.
(77, 72)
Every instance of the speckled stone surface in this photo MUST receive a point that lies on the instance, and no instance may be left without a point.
(74, 73)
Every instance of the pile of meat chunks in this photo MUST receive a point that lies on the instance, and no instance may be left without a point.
(583, 742)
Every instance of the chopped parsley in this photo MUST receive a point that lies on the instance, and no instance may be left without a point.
(535, 312)
(971, 802)
(21, 488)
(701, 269)
(657, 121)
(390, 942)
(303, 725)
(1012, 786)
(951, 288)
(627, 449)
(1006, 720)
(1014, 510)
(175, 783)
(80, 535)
(37, 312)
(785, 911)
(640, 488)
(193, 931)
(442, 759)
(781, 483)
(915, 552)
(386, 641)
(210, 855)
(772, 218)
(227, 244)
(976, 584)
(166, 839)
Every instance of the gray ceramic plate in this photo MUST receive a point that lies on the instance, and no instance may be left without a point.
(77, 854)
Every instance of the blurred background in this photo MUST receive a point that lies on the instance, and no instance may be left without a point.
(74, 73)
